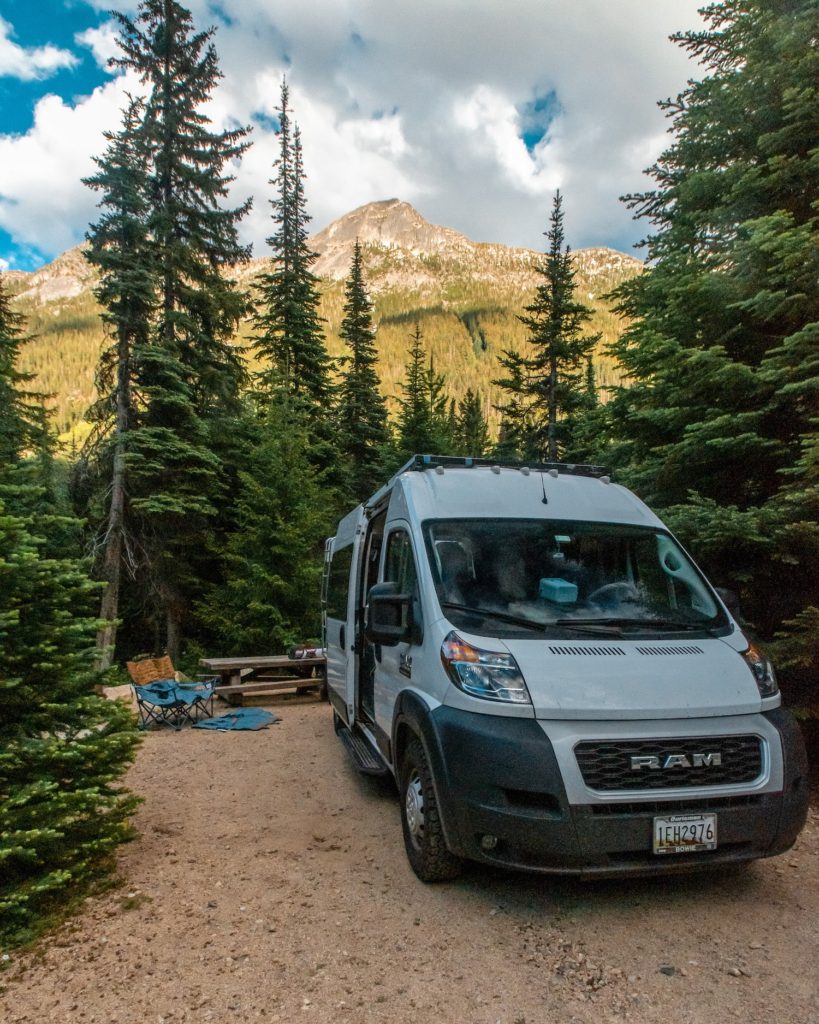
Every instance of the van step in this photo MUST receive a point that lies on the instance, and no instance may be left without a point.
(365, 758)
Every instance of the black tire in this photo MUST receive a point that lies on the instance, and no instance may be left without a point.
(421, 821)
(338, 724)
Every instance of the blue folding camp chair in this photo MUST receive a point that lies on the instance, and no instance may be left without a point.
(161, 700)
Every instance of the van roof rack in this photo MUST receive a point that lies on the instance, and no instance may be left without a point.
(422, 462)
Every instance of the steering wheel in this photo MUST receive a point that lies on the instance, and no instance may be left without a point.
(614, 593)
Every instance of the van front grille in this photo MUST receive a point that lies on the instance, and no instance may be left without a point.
(670, 763)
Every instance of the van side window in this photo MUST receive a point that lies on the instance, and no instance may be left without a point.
(339, 582)
(399, 566)
(375, 535)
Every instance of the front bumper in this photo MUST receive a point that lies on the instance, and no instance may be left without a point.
(499, 777)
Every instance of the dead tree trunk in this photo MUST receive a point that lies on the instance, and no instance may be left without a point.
(115, 532)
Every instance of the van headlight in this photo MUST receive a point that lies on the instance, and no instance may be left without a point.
(762, 670)
(491, 675)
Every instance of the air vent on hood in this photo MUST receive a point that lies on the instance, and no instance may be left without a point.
(677, 649)
(599, 651)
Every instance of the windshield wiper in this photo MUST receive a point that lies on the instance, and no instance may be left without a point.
(590, 626)
(515, 620)
(664, 624)
(597, 627)
(678, 624)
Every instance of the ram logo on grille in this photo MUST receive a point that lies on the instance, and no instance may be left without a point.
(669, 762)
(698, 760)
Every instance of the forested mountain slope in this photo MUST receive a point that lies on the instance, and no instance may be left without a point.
(466, 296)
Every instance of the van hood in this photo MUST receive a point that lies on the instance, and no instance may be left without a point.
(631, 679)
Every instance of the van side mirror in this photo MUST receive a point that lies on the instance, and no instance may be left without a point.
(389, 615)
(730, 598)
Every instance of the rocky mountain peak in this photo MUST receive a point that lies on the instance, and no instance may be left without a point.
(66, 277)
(389, 223)
(397, 241)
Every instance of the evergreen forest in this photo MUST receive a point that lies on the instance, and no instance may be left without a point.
(235, 419)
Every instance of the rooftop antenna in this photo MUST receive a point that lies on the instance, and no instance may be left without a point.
(543, 488)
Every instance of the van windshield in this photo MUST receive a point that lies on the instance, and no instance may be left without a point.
(508, 577)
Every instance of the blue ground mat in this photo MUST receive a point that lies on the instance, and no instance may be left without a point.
(241, 718)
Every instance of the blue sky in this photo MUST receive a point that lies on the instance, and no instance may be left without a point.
(30, 31)
(471, 110)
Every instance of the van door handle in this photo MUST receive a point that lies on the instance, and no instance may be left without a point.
(342, 637)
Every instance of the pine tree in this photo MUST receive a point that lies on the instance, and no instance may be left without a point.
(119, 247)
(440, 421)
(16, 410)
(289, 338)
(268, 600)
(546, 387)
(284, 501)
(515, 427)
(190, 374)
(589, 428)
(423, 422)
(362, 412)
(62, 749)
(25, 427)
(719, 418)
(471, 431)
(591, 396)
(452, 424)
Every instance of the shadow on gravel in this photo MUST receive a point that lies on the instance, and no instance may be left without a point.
(375, 787)
(525, 894)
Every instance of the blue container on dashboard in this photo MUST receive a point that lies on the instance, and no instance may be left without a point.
(558, 591)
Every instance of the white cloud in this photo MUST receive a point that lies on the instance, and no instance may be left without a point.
(453, 76)
(492, 130)
(43, 202)
(4, 264)
(422, 101)
(30, 63)
(101, 42)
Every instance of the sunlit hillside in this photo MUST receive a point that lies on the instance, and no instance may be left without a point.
(465, 295)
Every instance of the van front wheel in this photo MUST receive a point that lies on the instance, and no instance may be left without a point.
(421, 821)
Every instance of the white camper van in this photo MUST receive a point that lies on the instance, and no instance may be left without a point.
(551, 680)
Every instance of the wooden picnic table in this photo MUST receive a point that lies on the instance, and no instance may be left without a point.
(265, 674)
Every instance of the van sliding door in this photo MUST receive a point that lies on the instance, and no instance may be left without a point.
(367, 654)
(335, 622)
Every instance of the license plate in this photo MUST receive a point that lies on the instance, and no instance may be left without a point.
(685, 833)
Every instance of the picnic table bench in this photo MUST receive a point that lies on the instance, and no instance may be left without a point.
(266, 674)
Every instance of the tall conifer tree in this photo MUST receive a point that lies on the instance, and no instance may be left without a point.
(289, 337)
(471, 431)
(119, 247)
(362, 412)
(62, 749)
(546, 386)
(285, 507)
(190, 373)
(17, 411)
(423, 419)
(719, 418)
(269, 597)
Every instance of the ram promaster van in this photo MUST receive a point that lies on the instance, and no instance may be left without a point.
(551, 680)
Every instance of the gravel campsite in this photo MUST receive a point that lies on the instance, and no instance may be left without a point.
(269, 882)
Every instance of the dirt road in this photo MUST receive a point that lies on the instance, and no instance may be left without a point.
(269, 883)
